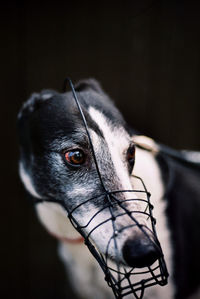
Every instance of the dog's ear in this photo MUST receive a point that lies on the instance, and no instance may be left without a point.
(23, 118)
(89, 84)
(34, 102)
(146, 143)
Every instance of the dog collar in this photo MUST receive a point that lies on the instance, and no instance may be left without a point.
(73, 241)
(69, 240)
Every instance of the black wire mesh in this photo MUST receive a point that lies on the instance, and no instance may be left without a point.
(123, 280)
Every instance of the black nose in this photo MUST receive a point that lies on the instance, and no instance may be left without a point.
(140, 252)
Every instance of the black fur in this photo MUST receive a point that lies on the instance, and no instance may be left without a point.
(183, 198)
(45, 132)
(48, 126)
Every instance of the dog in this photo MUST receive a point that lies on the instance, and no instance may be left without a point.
(56, 163)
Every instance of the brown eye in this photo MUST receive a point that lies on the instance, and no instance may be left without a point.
(75, 157)
(131, 156)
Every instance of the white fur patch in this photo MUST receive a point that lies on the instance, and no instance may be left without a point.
(192, 156)
(147, 168)
(79, 190)
(118, 142)
(84, 273)
(26, 179)
(55, 220)
(46, 96)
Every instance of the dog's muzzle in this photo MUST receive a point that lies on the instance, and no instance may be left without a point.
(143, 262)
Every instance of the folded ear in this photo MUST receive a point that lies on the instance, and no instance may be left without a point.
(146, 143)
(89, 84)
(34, 102)
(23, 118)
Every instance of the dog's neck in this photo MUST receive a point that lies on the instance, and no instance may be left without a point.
(55, 220)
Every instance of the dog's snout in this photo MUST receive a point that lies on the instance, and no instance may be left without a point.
(140, 252)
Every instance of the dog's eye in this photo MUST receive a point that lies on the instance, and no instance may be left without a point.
(75, 157)
(131, 156)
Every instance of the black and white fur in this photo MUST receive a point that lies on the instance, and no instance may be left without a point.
(50, 123)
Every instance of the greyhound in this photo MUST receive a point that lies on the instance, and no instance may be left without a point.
(56, 163)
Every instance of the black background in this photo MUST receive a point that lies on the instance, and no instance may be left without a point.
(146, 54)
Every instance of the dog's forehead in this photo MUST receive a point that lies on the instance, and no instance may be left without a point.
(117, 141)
(102, 103)
(52, 119)
(56, 112)
(112, 132)
(58, 116)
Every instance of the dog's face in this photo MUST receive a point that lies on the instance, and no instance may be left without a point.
(57, 163)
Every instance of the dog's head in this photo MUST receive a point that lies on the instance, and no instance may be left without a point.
(57, 163)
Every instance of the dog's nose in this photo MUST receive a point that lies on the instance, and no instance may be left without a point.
(140, 252)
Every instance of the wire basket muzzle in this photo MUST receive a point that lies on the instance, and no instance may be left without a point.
(121, 222)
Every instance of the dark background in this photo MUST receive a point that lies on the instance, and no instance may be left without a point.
(146, 54)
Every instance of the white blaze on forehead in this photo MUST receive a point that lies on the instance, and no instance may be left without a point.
(117, 141)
